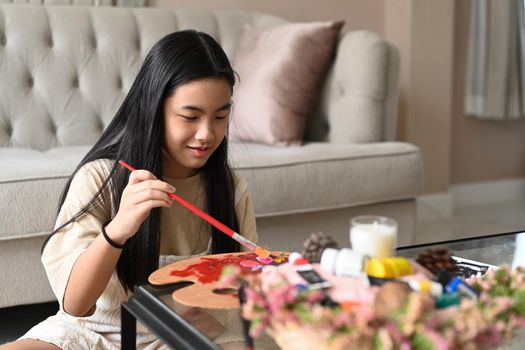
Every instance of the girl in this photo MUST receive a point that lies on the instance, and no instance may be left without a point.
(115, 228)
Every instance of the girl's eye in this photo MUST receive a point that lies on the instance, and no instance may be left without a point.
(221, 117)
(188, 118)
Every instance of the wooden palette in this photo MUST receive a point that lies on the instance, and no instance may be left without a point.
(204, 272)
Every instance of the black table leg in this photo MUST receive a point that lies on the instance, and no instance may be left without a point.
(170, 327)
(128, 333)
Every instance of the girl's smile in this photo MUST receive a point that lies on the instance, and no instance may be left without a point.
(199, 151)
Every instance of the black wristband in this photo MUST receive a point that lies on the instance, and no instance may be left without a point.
(109, 240)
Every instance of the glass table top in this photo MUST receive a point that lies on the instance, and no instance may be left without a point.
(494, 250)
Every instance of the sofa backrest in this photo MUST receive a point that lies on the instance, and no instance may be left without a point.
(65, 70)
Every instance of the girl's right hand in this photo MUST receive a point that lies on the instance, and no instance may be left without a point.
(143, 193)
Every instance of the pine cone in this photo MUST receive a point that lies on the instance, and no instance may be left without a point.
(314, 246)
(437, 259)
(391, 296)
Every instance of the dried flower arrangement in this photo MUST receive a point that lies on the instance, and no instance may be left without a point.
(397, 319)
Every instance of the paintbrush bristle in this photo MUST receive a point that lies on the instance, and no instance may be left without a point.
(262, 252)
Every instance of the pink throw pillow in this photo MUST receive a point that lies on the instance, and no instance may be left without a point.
(281, 70)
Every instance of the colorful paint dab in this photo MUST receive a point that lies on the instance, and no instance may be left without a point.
(209, 269)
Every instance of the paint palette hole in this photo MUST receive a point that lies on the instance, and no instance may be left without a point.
(225, 291)
(170, 287)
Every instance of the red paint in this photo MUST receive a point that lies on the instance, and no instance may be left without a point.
(300, 261)
(209, 269)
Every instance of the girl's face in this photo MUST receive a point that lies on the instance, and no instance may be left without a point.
(196, 118)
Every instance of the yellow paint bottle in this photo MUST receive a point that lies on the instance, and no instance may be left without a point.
(392, 267)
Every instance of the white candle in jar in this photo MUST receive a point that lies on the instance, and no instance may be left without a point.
(519, 251)
(375, 236)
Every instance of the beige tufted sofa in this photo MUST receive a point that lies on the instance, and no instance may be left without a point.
(65, 70)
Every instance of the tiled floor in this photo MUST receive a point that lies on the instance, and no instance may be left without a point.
(474, 221)
(468, 222)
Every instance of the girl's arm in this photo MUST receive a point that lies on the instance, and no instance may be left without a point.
(94, 267)
(90, 276)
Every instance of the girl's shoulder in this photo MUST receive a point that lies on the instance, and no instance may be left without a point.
(239, 181)
(241, 187)
(92, 174)
(86, 184)
(101, 167)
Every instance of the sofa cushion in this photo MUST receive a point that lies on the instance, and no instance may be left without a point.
(324, 176)
(280, 70)
(282, 180)
(30, 186)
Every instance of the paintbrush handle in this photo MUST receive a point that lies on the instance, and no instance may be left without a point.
(219, 225)
(244, 242)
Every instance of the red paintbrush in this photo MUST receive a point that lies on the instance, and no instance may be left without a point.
(219, 225)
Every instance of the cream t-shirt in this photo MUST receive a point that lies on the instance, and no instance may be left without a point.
(184, 233)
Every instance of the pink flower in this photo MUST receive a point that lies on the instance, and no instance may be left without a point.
(518, 321)
(491, 338)
(502, 304)
(229, 277)
(363, 315)
(271, 278)
(341, 319)
(439, 342)
(386, 341)
(405, 346)
(484, 284)
(314, 296)
(485, 297)
(395, 333)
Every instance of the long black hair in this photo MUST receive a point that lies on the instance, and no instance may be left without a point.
(135, 135)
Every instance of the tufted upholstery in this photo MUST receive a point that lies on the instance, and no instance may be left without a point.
(78, 2)
(69, 69)
(67, 81)
(64, 70)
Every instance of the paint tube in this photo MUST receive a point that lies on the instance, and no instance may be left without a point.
(306, 271)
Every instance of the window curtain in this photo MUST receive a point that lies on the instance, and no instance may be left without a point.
(496, 60)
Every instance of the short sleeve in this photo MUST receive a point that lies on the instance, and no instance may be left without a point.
(244, 210)
(65, 246)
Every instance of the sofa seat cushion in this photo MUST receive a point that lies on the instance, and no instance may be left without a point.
(324, 176)
(30, 185)
(313, 177)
